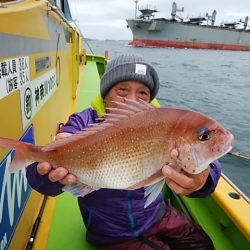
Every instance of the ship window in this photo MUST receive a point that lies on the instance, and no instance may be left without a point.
(63, 8)
(60, 5)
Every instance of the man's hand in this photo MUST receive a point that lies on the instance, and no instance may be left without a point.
(184, 183)
(59, 174)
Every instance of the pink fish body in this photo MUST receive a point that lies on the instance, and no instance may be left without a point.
(129, 148)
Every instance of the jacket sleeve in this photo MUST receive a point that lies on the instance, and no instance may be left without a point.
(211, 182)
(41, 183)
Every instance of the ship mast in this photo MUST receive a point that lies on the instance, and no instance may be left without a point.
(136, 3)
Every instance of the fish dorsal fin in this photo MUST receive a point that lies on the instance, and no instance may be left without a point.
(122, 111)
(125, 108)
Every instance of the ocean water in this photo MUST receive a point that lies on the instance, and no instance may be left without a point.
(214, 82)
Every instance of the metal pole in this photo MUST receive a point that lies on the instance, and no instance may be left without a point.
(32, 238)
(136, 2)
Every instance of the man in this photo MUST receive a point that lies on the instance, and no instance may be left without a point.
(117, 219)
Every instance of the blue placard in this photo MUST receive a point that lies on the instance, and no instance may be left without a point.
(14, 194)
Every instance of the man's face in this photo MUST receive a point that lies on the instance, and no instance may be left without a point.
(128, 89)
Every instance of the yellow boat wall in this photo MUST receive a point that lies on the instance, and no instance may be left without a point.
(40, 62)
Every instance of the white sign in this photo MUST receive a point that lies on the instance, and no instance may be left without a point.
(141, 69)
(14, 73)
(35, 94)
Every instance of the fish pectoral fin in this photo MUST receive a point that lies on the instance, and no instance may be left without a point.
(152, 192)
(79, 189)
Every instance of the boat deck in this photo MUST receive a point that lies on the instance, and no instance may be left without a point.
(67, 230)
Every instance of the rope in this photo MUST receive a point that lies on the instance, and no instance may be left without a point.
(74, 6)
(238, 154)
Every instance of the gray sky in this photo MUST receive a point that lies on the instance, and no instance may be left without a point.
(106, 19)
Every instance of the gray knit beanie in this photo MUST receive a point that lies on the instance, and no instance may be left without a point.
(129, 67)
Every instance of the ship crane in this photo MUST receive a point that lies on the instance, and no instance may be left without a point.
(174, 10)
(212, 17)
(245, 23)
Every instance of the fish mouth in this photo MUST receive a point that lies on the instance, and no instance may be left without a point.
(205, 165)
(229, 144)
(229, 149)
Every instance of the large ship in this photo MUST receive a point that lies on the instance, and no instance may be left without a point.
(45, 75)
(198, 32)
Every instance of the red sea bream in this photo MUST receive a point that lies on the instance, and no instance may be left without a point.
(128, 149)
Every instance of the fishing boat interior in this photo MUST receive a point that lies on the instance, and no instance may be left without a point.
(45, 76)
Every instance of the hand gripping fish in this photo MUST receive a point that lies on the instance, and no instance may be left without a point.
(128, 149)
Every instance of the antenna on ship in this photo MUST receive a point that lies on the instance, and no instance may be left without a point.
(136, 4)
(174, 10)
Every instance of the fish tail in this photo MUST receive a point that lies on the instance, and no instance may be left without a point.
(24, 153)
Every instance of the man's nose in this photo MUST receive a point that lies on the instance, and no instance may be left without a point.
(132, 96)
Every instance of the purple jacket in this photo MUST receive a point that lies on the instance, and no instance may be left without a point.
(112, 216)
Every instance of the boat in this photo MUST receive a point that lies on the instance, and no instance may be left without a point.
(42, 64)
(197, 32)
(46, 75)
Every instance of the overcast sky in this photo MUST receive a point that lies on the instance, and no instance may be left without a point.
(106, 19)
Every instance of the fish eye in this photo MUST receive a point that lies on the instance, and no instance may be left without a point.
(204, 134)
